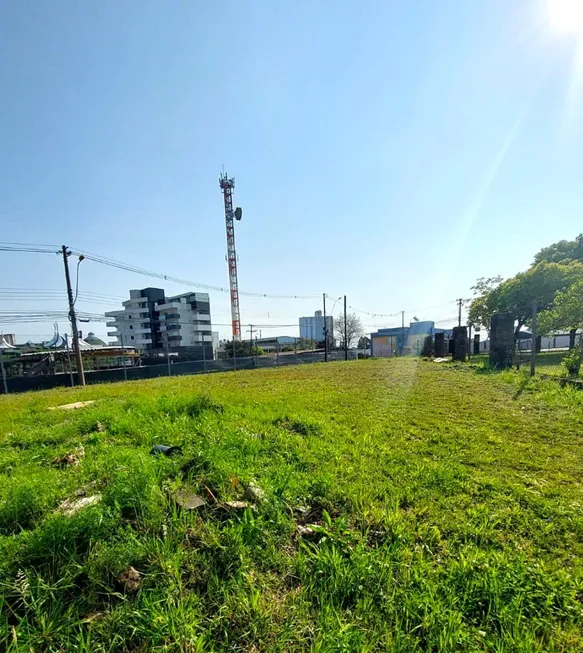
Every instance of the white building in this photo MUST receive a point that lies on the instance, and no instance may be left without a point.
(314, 327)
(185, 321)
(152, 322)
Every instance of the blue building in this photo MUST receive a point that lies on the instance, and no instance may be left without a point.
(394, 340)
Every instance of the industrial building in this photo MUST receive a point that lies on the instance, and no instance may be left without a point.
(312, 327)
(152, 322)
(275, 343)
(403, 340)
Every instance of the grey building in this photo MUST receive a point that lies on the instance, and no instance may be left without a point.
(312, 328)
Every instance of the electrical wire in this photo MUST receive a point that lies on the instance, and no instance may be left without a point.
(158, 275)
(24, 247)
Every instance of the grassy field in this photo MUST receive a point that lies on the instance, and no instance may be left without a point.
(392, 506)
(547, 362)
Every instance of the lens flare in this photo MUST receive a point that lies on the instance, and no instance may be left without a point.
(566, 16)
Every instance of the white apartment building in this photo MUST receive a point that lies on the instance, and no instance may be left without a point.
(152, 322)
(185, 321)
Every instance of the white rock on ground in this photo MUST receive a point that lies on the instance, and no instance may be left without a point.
(70, 507)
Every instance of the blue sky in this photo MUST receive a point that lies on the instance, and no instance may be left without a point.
(391, 151)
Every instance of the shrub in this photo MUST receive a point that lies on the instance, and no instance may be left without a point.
(572, 362)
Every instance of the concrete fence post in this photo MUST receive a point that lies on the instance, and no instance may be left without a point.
(501, 340)
(440, 345)
(460, 339)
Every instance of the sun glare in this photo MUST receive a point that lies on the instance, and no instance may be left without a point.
(566, 16)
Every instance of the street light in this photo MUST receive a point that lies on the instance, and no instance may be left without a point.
(326, 327)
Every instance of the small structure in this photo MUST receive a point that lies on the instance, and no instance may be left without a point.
(92, 340)
(7, 341)
(275, 343)
(53, 361)
(395, 341)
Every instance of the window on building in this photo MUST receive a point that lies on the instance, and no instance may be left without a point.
(132, 337)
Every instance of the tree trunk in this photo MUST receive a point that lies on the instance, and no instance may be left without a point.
(572, 335)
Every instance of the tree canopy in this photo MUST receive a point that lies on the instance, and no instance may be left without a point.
(562, 251)
(542, 282)
(566, 312)
(364, 342)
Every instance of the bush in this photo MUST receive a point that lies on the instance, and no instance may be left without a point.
(572, 362)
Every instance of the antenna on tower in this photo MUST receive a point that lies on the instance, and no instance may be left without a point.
(227, 186)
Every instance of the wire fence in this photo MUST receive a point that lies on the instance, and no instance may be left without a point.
(551, 356)
(168, 367)
(555, 355)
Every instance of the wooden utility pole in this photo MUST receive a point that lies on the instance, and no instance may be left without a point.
(459, 303)
(73, 319)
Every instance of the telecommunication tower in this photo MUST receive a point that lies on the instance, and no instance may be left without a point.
(227, 185)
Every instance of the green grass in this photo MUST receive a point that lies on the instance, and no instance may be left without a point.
(447, 505)
(547, 362)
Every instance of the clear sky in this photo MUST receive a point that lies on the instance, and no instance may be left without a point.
(388, 150)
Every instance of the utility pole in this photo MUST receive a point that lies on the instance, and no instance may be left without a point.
(325, 330)
(4, 382)
(402, 332)
(250, 329)
(459, 303)
(73, 318)
(345, 332)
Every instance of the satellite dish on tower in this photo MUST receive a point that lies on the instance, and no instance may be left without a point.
(238, 213)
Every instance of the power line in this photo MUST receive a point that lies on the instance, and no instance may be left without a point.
(158, 275)
(24, 247)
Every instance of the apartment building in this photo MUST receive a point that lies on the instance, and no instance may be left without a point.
(185, 321)
(154, 323)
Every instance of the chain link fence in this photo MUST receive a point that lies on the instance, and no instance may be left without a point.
(554, 355)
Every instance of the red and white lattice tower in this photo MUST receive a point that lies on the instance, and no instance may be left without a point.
(227, 185)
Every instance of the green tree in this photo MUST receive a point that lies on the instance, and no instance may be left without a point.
(364, 342)
(562, 251)
(541, 282)
(566, 313)
(483, 305)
